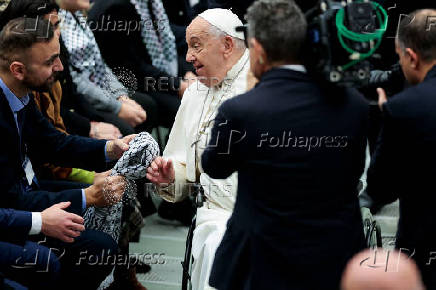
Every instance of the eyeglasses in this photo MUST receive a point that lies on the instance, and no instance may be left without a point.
(243, 29)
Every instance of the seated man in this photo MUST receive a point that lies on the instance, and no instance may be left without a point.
(77, 113)
(148, 49)
(29, 51)
(117, 104)
(29, 263)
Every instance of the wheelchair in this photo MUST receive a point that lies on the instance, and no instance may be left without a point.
(372, 230)
(188, 259)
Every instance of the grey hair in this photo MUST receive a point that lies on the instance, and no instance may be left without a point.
(218, 33)
(279, 26)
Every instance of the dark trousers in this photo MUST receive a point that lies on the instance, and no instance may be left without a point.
(87, 261)
(30, 264)
(168, 104)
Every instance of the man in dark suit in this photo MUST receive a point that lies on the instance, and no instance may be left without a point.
(299, 150)
(29, 51)
(404, 163)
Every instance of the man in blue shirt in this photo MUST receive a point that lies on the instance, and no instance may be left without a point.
(29, 60)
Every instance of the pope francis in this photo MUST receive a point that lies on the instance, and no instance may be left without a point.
(221, 61)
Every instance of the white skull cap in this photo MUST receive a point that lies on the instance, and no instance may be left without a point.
(223, 19)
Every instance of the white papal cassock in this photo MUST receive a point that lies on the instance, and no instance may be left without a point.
(187, 141)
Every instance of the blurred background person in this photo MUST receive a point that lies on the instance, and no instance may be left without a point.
(145, 45)
(127, 110)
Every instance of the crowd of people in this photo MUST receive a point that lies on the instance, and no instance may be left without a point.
(83, 85)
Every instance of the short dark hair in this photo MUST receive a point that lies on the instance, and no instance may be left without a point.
(19, 35)
(27, 8)
(279, 26)
(418, 32)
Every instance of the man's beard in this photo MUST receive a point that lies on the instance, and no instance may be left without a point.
(41, 88)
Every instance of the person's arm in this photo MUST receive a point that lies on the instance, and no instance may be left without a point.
(99, 98)
(117, 89)
(172, 187)
(54, 222)
(46, 144)
(222, 156)
(15, 224)
(385, 163)
(133, 58)
(73, 5)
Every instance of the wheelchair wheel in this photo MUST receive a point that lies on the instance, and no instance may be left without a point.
(188, 260)
(372, 231)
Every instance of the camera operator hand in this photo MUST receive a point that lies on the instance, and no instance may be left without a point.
(381, 98)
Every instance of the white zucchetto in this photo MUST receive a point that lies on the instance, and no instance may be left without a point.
(224, 19)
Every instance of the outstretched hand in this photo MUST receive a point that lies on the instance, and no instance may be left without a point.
(161, 171)
(382, 98)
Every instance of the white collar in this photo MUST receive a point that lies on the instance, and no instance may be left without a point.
(296, 67)
(234, 71)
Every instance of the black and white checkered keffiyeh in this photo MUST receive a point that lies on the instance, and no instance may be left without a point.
(160, 42)
(132, 165)
(85, 55)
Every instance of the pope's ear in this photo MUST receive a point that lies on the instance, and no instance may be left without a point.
(229, 44)
(18, 70)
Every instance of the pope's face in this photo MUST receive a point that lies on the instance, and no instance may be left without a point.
(205, 52)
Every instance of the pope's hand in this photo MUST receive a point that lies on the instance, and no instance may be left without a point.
(161, 171)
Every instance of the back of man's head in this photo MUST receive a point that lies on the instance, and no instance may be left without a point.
(417, 31)
(381, 270)
(279, 26)
(19, 35)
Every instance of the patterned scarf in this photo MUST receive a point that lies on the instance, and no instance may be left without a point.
(160, 43)
(85, 55)
(132, 165)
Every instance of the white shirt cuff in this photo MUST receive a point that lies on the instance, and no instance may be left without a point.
(36, 223)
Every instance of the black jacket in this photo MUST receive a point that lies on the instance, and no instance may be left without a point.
(299, 152)
(404, 166)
